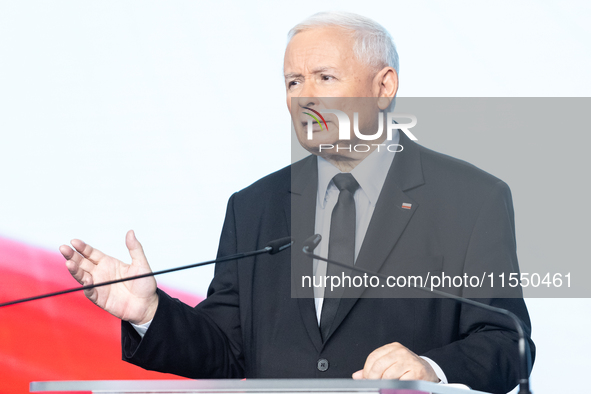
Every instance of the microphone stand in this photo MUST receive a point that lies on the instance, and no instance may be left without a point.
(272, 247)
(311, 243)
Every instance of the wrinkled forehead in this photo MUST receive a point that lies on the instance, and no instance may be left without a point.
(332, 46)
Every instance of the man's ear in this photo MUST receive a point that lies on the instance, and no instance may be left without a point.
(385, 86)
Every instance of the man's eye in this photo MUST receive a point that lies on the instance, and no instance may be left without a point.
(327, 77)
(291, 83)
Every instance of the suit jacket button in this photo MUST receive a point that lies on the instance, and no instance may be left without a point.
(322, 365)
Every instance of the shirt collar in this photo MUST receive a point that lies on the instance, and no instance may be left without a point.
(370, 173)
(326, 171)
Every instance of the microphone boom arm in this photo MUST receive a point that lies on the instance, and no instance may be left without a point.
(311, 243)
(273, 247)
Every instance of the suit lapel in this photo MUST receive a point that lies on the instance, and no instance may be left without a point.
(388, 221)
(301, 211)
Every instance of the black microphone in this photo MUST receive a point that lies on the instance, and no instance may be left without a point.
(280, 244)
(272, 247)
(311, 243)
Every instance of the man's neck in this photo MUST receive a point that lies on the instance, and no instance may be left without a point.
(344, 166)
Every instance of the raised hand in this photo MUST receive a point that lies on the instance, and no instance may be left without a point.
(134, 301)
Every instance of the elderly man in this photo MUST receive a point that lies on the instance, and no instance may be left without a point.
(373, 207)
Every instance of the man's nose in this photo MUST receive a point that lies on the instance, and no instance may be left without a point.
(307, 96)
(304, 102)
(307, 101)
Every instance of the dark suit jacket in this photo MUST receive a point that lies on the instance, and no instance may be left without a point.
(250, 326)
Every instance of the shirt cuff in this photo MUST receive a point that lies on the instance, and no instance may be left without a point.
(438, 371)
(142, 328)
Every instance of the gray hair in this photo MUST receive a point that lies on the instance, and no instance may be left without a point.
(373, 44)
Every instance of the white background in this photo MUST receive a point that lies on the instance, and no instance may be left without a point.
(150, 114)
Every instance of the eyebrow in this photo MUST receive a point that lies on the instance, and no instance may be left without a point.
(317, 70)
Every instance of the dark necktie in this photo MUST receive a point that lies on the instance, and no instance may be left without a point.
(341, 246)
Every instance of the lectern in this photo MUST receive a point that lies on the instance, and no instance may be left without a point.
(252, 386)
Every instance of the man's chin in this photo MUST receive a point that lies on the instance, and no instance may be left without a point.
(334, 152)
(338, 157)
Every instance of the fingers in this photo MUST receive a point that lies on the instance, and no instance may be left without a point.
(374, 366)
(394, 361)
(83, 277)
(382, 359)
(76, 271)
(412, 368)
(79, 267)
(91, 294)
(71, 255)
(67, 252)
(92, 254)
(136, 251)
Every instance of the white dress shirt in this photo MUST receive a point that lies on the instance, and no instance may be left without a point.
(370, 174)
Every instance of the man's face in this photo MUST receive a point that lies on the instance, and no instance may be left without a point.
(319, 66)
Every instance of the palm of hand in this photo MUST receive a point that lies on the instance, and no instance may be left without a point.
(133, 301)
